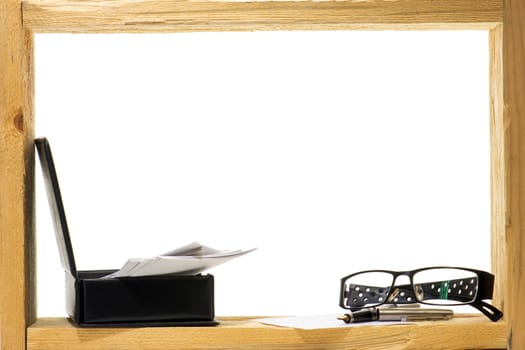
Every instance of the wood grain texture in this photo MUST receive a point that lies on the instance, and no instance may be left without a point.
(460, 333)
(500, 162)
(514, 113)
(17, 285)
(188, 15)
(17, 307)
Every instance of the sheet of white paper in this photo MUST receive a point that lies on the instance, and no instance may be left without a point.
(130, 265)
(190, 259)
(318, 322)
(192, 249)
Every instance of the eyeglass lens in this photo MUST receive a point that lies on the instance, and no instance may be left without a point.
(367, 289)
(445, 286)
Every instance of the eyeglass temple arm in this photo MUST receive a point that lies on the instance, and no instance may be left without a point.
(486, 284)
(488, 310)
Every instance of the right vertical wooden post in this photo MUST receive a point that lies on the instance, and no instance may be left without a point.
(507, 47)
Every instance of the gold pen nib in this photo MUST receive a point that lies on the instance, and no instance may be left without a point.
(346, 318)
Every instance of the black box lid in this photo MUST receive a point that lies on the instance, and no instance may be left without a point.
(56, 205)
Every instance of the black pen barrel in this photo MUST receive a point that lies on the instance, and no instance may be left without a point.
(364, 315)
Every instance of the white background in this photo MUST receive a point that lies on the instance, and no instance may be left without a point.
(332, 152)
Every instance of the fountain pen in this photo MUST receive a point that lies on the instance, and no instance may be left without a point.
(396, 314)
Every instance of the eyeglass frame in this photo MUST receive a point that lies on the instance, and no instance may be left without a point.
(484, 290)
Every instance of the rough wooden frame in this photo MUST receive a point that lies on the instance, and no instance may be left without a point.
(512, 244)
(223, 15)
(20, 19)
(17, 263)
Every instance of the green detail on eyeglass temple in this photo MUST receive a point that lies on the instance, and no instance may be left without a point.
(443, 293)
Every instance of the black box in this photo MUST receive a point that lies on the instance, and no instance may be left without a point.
(94, 301)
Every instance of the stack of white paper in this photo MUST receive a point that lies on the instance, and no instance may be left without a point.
(188, 260)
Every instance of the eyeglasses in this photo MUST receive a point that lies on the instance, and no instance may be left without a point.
(448, 286)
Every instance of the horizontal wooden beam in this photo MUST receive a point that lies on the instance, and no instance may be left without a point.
(474, 332)
(101, 16)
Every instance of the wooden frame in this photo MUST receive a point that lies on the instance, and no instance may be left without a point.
(19, 19)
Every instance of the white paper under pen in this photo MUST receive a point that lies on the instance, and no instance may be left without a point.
(319, 322)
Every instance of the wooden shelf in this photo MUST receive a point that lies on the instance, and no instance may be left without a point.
(188, 15)
(20, 19)
(472, 332)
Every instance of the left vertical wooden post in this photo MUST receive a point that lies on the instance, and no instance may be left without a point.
(17, 251)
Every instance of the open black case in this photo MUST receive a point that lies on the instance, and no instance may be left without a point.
(92, 301)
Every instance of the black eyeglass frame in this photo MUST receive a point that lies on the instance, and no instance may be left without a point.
(484, 290)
